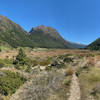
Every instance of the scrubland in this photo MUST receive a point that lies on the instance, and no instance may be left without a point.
(46, 74)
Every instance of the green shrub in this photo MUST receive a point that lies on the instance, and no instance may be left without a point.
(48, 68)
(20, 58)
(67, 82)
(10, 82)
(5, 62)
(60, 61)
(0, 49)
(28, 69)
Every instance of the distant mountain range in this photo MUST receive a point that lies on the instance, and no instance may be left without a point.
(41, 36)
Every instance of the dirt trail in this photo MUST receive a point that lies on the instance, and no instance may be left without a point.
(75, 93)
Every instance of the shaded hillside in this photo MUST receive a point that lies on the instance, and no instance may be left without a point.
(13, 34)
(94, 45)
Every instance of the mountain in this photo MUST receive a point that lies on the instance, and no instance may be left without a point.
(41, 36)
(12, 34)
(49, 37)
(94, 45)
(77, 45)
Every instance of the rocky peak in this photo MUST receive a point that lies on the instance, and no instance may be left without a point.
(47, 30)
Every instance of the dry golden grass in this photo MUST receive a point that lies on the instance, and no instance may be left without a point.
(69, 72)
(6, 97)
(44, 54)
(91, 61)
(89, 81)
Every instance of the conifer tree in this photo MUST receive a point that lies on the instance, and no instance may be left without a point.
(21, 58)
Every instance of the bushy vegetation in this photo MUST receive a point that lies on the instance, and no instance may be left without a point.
(60, 61)
(94, 45)
(21, 58)
(47, 86)
(9, 82)
(5, 62)
(22, 61)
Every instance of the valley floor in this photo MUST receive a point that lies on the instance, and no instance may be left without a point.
(51, 75)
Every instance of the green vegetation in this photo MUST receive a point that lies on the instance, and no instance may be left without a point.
(45, 37)
(5, 62)
(21, 58)
(45, 41)
(60, 61)
(9, 82)
(22, 62)
(5, 48)
(94, 45)
(47, 86)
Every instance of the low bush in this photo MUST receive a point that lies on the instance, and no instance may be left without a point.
(46, 86)
(9, 82)
(28, 69)
(67, 82)
(5, 62)
(61, 61)
(48, 68)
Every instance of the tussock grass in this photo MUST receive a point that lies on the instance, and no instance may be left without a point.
(89, 81)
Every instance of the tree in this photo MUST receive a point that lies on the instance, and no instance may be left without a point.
(21, 58)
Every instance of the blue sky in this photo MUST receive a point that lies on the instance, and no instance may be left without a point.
(76, 20)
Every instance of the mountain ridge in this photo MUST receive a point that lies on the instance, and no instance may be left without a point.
(40, 36)
(51, 32)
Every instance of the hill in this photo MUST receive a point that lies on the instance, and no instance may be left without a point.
(12, 34)
(94, 45)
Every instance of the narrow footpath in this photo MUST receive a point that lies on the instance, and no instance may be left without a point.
(75, 93)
